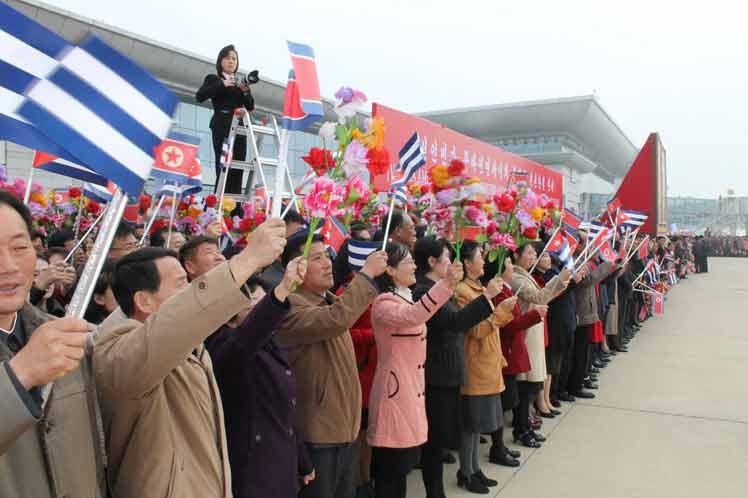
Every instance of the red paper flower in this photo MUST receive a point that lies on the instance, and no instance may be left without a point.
(456, 168)
(549, 205)
(504, 202)
(158, 225)
(246, 225)
(379, 161)
(319, 159)
(211, 201)
(145, 203)
(183, 206)
(531, 232)
(259, 218)
(229, 223)
(93, 207)
(74, 192)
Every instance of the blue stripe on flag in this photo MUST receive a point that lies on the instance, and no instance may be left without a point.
(183, 137)
(30, 32)
(359, 250)
(141, 80)
(14, 79)
(100, 105)
(299, 49)
(411, 160)
(118, 173)
(29, 136)
(79, 173)
(97, 193)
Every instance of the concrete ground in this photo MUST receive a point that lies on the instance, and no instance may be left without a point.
(670, 418)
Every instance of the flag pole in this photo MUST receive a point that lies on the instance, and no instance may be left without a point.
(589, 256)
(77, 225)
(545, 248)
(631, 236)
(85, 235)
(30, 179)
(631, 255)
(153, 219)
(280, 173)
(90, 274)
(389, 220)
(615, 227)
(171, 218)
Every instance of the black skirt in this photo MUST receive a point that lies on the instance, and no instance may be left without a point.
(482, 414)
(391, 463)
(443, 415)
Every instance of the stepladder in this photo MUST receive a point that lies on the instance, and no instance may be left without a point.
(263, 145)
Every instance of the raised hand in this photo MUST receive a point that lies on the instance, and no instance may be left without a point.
(294, 276)
(493, 288)
(542, 309)
(55, 349)
(375, 264)
(455, 273)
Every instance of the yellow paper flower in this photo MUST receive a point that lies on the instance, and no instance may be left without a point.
(488, 209)
(538, 213)
(374, 138)
(356, 134)
(473, 180)
(229, 204)
(39, 198)
(194, 211)
(414, 188)
(440, 176)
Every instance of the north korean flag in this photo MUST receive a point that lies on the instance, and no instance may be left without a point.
(607, 252)
(572, 219)
(659, 304)
(334, 233)
(175, 160)
(644, 249)
(557, 242)
(573, 242)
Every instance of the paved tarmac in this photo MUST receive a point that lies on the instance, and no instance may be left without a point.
(670, 418)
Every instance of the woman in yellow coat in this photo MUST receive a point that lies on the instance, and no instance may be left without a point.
(481, 400)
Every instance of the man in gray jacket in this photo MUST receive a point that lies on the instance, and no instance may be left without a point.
(49, 443)
(586, 299)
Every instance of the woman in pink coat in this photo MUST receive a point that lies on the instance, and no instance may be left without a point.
(397, 409)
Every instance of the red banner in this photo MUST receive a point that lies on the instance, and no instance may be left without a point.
(491, 164)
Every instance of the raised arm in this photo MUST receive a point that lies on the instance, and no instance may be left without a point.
(401, 314)
(529, 293)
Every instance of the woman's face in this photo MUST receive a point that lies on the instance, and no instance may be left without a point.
(439, 265)
(544, 263)
(474, 265)
(404, 274)
(229, 63)
(527, 258)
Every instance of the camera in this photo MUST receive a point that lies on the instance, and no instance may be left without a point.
(250, 79)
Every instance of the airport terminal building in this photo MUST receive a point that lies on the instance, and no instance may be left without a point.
(575, 136)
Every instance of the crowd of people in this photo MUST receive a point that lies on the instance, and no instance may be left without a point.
(725, 246)
(253, 370)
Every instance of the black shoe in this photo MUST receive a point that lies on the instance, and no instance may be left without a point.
(503, 459)
(448, 457)
(556, 412)
(605, 360)
(599, 364)
(545, 414)
(593, 377)
(583, 394)
(612, 352)
(471, 484)
(483, 440)
(555, 403)
(485, 480)
(594, 371)
(365, 490)
(622, 349)
(566, 397)
(512, 453)
(538, 437)
(526, 440)
(591, 385)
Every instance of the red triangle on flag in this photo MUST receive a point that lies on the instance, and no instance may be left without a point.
(41, 158)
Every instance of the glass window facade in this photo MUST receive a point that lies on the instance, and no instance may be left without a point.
(194, 120)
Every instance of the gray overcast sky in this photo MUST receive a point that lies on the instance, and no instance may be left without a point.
(677, 67)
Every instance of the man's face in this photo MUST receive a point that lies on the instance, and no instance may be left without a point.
(123, 246)
(176, 242)
(405, 233)
(173, 279)
(319, 269)
(17, 261)
(38, 244)
(69, 244)
(206, 257)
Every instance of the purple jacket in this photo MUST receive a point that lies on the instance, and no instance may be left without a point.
(258, 390)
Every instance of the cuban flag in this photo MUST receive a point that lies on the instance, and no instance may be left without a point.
(28, 51)
(60, 166)
(634, 219)
(411, 160)
(107, 112)
(359, 250)
(176, 160)
(563, 252)
(401, 195)
(302, 106)
(98, 193)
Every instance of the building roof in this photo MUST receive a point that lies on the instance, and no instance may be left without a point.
(582, 117)
(183, 72)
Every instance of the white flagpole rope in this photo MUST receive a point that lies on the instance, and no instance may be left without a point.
(85, 235)
(153, 219)
(389, 220)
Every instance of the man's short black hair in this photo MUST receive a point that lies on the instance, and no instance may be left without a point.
(190, 247)
(158, 239)
(60, 251)
(124, 229)
(58, 239)
(36, 234)
(10, 200)
(137, 272)
(295, 245)
(293, 216)
(398, 217)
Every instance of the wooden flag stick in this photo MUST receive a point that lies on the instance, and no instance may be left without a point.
(153, 219)
(545, 248)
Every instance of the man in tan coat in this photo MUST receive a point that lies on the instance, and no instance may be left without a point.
(320, 347)
(49, 444)
(159, 399)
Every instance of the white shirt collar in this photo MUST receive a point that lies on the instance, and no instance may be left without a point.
(12, 325)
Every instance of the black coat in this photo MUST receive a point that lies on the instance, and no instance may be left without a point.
(562, 316)
(445, 342)
(225, 100)
(258, 391)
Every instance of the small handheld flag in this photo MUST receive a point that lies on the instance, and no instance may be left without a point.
(358, 251)
(411, 160)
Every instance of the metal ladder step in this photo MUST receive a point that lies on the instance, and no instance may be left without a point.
(262, 130)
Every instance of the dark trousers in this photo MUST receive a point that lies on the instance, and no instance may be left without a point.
(335, 468)
(392, 487)
(527, 392)
(432, 470)
(561, 381)
(234, 180)
(580, 359)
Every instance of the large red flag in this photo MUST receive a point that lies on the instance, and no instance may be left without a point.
(644, 249)
(557, 242)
